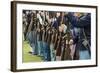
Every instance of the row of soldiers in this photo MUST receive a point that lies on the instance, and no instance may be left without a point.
(49, 35)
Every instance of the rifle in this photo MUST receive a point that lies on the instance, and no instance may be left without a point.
(67, 49)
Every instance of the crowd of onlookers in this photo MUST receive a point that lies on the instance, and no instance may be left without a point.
(56, 36)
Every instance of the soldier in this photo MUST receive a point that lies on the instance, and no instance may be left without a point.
(83, 40)
(38, 29)
(58, 48)
(43, 42)
(24, 23)
(46, 45)
(28, 22)
(32, 35)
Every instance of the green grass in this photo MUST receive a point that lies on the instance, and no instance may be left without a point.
(29, 57)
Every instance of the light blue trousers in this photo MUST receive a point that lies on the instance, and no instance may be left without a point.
(84, 55)
(52, 52)
(33, 42)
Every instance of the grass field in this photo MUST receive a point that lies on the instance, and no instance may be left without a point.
(29, 57)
